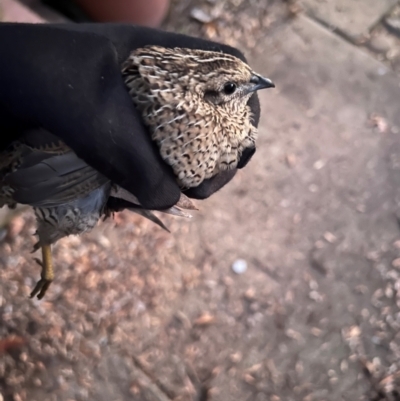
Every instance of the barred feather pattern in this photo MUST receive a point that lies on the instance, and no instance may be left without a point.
(73, 218)
(79, 207)
(10, 160)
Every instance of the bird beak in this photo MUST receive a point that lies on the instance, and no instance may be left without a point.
(260, 83)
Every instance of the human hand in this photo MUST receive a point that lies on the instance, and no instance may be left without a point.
(67, 79)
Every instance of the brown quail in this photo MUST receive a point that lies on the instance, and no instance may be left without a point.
(194, 104)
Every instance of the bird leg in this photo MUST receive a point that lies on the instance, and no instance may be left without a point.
(47, 274)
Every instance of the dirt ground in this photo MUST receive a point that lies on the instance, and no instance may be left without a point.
(136, 313)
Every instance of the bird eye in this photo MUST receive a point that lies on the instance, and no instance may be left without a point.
(229, 88)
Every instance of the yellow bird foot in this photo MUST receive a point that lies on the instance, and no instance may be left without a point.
(47, 274)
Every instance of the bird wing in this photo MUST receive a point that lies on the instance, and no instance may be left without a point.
(49, 173)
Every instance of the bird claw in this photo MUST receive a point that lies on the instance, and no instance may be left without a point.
(186, 203)
(41, 288)
(39, 262)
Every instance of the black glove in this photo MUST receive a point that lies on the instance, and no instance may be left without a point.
(67, 79)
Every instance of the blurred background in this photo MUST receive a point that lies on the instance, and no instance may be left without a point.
(286, 284)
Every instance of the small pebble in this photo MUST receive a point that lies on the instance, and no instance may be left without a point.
(318, 164)
(376, 340)
(290, 159)
(205, 319)
(239, 266)
(392, 54)
(331, 238)
(382, 71)
(315, 331)
(381, 43)
(236, 357)
(249, 379)
(201, 16)
(365, 313)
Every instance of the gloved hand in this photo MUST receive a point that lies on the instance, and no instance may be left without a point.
(67, 79)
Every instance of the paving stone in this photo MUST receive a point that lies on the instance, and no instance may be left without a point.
(352, 17)
(328, 91)
(13, 11)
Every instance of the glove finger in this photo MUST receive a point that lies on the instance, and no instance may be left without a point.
(127, 37)
(91, 109)
(211, 185)
(133, 161)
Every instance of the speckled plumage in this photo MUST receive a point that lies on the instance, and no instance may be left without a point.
(199, 129)
(199, 125)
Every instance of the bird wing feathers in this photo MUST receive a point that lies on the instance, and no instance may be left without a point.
(49, 173)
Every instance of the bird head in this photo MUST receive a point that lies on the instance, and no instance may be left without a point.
(195, 104)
